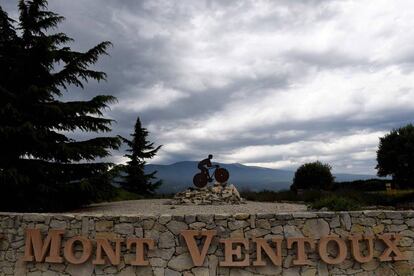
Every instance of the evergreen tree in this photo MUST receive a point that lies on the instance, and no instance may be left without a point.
(41, 168)
(136, 180)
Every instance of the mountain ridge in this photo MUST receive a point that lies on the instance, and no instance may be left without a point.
(179, 176)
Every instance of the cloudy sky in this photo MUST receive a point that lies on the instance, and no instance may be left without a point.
(268, 83)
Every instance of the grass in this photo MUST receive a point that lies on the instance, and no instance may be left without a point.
(122, 194)
(336, 203)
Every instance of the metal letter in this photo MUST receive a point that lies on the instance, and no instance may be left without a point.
(274, 256)
(113, 256)
(356, 251)
(229, 252)
(301, 257)
(36, 250)
(391, 240)
(189, 237)
(140, 248)
(86, 252)
(342, 250)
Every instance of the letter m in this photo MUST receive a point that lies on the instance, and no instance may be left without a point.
(36, 249)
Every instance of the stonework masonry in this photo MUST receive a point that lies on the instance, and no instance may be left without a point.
(170, 255)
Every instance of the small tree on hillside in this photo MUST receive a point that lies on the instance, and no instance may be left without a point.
(136, 180)
(313, 175)
(395, 156)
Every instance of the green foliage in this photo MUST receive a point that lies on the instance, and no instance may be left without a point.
(269, 196)
(336, 203)
(140, 149)
(363, 185)
(41, 168)
(395, 156)
(313, 176)
(122, 194)
(338, 199)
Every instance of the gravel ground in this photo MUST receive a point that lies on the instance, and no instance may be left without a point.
(160, 206)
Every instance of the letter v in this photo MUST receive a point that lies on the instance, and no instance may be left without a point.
(189, 237)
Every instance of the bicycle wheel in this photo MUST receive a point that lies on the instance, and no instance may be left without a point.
(200, 180)
(221, 175)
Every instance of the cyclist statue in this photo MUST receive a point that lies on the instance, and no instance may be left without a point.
(204, 164)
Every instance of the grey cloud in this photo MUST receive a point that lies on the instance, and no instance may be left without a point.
(226, 56)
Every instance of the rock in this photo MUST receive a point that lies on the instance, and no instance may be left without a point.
(213, 264)
(397, 228)
(277, 229)
(405, 242)
(315, 228)
(240, 272)
(157, 262)
(377, 229)
(104, 225)
(407, 233)
(58, 224)
(293, 271)
(403, 268)
(20, 267)
(410, 222)
(143, 270)
(170, 272)
(241, 216)
(165, 254)
(237, 224)
(159, 271)
(164, 219)
(166, 240)
(176, 226)
(200, 271)
(346, 221)
(197, 225)
(309, 272)
(257, 232)
(291, 231)
(211, 195)
(124, 228)
(139, 232)
(263, 223)
(371, 265)
(82, 269)
(181, 262)
(127, 271)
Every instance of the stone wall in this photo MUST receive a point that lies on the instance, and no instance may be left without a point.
(171, 257)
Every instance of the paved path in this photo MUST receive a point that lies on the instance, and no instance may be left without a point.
(160, 206)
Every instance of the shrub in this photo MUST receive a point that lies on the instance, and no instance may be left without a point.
(313, 175)
(283, 195)
(336, 203)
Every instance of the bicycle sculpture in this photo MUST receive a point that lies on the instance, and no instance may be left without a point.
(200, 180)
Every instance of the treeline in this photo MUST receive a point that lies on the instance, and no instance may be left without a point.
(374, 184)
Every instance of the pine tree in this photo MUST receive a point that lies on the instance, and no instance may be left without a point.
(136, 180)
(41, 168)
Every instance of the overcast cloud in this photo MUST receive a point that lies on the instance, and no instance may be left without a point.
(268, 83)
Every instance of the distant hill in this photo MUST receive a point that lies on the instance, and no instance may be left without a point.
(179, 176)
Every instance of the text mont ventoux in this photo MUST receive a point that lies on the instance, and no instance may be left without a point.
(49, 249)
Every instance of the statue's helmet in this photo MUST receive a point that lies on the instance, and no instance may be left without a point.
(210, 156)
